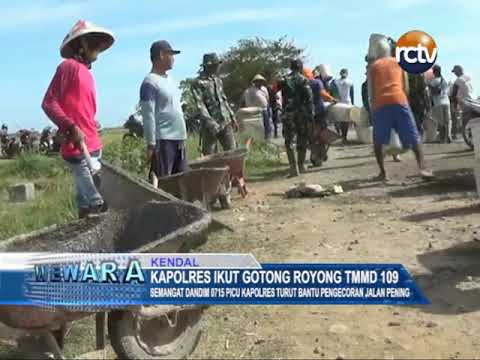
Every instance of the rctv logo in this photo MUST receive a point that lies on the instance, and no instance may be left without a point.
(416, 52)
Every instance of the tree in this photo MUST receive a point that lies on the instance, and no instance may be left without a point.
(243, 61)
(249, 57)
(187, 95)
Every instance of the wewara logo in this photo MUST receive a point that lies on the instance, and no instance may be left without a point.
(416, 52)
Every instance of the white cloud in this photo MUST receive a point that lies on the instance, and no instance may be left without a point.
(23, 15)
(219, 18)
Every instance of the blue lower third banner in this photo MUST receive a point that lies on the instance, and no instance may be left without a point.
(95, 281)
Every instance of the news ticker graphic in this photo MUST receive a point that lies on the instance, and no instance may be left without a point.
(87, 282)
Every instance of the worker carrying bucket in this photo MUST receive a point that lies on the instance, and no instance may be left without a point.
(70, 102)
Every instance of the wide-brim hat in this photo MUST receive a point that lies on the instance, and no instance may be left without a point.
(81, 28)
(211, 59)
(259, 77)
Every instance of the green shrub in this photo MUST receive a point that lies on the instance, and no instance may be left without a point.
(130, 154)
(33, 166)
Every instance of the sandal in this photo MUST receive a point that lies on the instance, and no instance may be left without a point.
(426, 174)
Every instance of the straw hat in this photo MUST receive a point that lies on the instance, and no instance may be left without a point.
(259, 77)
(81, 28)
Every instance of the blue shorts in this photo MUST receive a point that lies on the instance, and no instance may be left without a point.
(397, 117)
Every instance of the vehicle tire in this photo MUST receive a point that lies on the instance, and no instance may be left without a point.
(44, 149)
(467, 137)
(155, 338)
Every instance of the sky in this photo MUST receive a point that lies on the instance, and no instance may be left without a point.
(332, 32)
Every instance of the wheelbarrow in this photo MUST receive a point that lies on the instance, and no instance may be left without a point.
(235, 161)
(202, 184)
(135, 223)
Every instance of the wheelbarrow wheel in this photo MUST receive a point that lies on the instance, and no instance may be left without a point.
(172, 337)
(225, 201)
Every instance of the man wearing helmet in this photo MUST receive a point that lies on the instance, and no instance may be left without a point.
(70, 102)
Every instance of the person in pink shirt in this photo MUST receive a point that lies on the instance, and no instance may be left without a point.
(70, 103)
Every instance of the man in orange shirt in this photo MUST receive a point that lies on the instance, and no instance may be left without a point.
(388, 89)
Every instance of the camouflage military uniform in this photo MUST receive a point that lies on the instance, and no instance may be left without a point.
(297, 118)
(419, 99)
(215, 113)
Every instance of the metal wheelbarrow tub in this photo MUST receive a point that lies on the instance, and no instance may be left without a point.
(130, 226)
(203, 184)
(234, 159)
(122, 190)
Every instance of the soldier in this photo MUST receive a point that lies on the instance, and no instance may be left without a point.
(419, 99)
(216, 116)
(297, 115)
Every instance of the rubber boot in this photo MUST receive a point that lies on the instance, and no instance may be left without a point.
(293, 164)
(301, 160)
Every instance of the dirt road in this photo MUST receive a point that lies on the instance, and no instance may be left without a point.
(426, 226)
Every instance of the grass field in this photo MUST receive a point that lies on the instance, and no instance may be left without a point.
(54, 202)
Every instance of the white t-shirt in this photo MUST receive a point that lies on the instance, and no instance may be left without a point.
(465, 88)
(344, 86)
(257, 97)
(440, 84)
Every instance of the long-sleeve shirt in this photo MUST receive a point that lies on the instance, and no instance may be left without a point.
(257, 97)
(161, 109)
(212, 104)
(297, 95)
(71, 100)
(318, 105)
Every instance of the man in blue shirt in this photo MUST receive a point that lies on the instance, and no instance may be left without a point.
(164, 124)
(318, 150)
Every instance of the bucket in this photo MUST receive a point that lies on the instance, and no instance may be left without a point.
(355, 114)
(379, 47)
(363, 119)
(364, 134)
(340, 112)
(430, 128)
